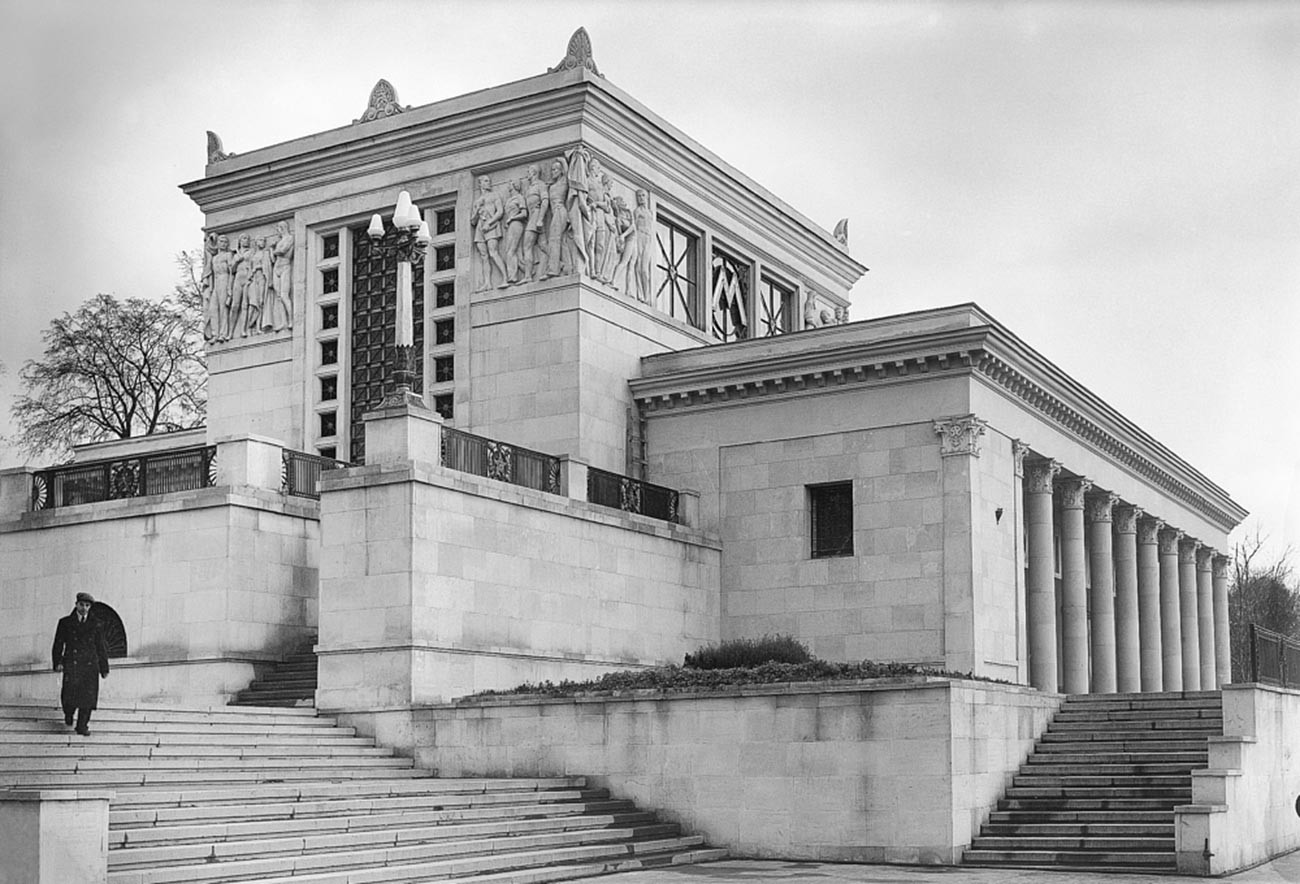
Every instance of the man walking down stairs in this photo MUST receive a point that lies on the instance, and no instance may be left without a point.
(1099, 790)
(284, 795)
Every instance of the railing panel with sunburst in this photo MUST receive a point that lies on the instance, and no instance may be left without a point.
(185, 469)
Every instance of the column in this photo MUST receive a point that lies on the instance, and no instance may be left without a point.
(1040, 597)
(1019, 451)
(1222, 635)
(1074, 586)
(1127, 634)
(1171, 640)
(1191, 633)
(1205, 617)
(1148, 576)
(1101, 595)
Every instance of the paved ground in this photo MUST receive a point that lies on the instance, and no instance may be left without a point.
(1286, 868)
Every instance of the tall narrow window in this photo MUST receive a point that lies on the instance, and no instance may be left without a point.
(676, 271)
(728, 303)
(775, 308)
(831, 508)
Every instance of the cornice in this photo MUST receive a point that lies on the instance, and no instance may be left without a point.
(857, 353)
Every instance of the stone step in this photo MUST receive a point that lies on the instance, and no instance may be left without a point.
(1069, 780)
(1166, 728)
(1172, 794)
(413, 863)
(18, 742)
(1098, 861)
(268, 764)
(83, 748)
(1185, 716)
(1111, 815)
(1146, 697)
(1143, 760)
(1105, 802)
(138, 712)
(414, 842)
(108, 728)
(1049, 842)
(1030, 829)
(1083, 742)
(119, 778)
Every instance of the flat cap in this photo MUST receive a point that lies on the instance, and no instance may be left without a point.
(85, 597)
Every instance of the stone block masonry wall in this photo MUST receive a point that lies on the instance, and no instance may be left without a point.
(436, 584)
(197, 578)
(894, 771)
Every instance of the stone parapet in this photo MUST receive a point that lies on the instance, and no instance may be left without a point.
(54, 837)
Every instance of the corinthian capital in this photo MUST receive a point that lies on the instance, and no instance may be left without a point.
(1221, 567)
(1073, 492)
(1039, 475)
(1149, 529)
(1169, 540)
(1126, 519)
(1098, 507)
(1018, 451)
(960, 435)
(1187, 550)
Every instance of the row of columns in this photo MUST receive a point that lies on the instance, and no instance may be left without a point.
(1154, 616)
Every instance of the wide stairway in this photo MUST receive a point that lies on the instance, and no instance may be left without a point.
(1099, 790)
(283, 795)
(290, 682)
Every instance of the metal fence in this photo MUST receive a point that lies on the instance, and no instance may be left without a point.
(185, 469)
(500, 460)
(1274, 658)
(300, 472)
(632, 495)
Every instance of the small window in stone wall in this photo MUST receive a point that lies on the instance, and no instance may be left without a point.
(831, 509)
(329, 388)
(328, 423)
(444, 331)
(329, 316)
(444, 258)
(444, 369)
(330, 246)
(445, 221)
(329, 352)
(445, 294)
(443, 405)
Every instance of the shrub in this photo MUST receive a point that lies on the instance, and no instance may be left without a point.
(746, 653)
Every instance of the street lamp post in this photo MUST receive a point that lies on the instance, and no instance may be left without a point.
(412, 240)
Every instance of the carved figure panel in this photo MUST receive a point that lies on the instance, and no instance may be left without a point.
(247, 283)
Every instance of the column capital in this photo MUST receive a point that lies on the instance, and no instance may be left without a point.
(1099, 507)
(1018, 452)
(1039, 475)
(1187, 548)
(1149, 528)
(1169, 540)
(1221, 566)
(1204, 558)
(1126, 519)
(1073, 492)
(960, 435)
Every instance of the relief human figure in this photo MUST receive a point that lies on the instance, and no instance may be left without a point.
(259, 310)
(625, 245)
(243, 269)
(221, 260)
(579, 207)
(485, 218)
(516, 214)
(598, 236)
(282, 276)
(811, 316)
(643, 221)
(211, 309)
(557, 195)
(535, 200)
(613, 242)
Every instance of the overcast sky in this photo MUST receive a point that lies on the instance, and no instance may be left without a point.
(1117, 183)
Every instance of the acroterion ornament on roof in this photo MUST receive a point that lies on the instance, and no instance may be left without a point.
(382, 103)
(578, 55)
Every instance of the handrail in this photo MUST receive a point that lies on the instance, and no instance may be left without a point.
(632, 495)
(184, 469)
(502, 461)
(1274, 657)
(300, 472)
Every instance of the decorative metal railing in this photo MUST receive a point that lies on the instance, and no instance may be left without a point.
(1274, 658)
(300, 472)
(500, 460)
(184, 469)
(632, 495)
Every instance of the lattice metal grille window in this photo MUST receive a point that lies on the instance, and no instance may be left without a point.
(374, 329)
(676, 272)
(729, 299)
(775, 308)
(831, 508)
(444, 406)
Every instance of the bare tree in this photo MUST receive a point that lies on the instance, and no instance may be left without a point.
(114, 369)
(1263, 594)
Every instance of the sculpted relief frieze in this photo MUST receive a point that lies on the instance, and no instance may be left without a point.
(247, 283)
(563, 217)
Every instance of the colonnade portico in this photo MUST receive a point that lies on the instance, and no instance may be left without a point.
(1142, 606)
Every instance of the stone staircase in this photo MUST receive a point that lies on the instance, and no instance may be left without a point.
(1099, 790)
(291, 682)
(283, 795)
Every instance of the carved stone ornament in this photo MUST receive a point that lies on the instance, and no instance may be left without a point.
(960, 435)
(1018, 451)
(1169, 540)
(1187, 550)
(247, 283)
(842, 232)
(1126, 519)
(215, 151)
(1149, 530)
(383, 103)
(1204, 558)
(1099, 507)
(1039, 476)
(578, 55)
(1221, 567)
(1073, 492)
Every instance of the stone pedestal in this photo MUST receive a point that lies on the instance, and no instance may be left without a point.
(54, 837)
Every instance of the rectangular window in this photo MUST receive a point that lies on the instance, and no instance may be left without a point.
(831, 508)
(443, 405)
(329, 316)
(444, 294)
(775, 308)
(728, 304)
(330, 246)
(444, 221)
(444, 258)
(676, 271)
(444, 369)
(329, 352)
(329, 388)
(329, 281)
(329, 451)
(328, 423)
(444, 331)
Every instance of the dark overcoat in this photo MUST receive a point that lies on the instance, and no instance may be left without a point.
(81, 648)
